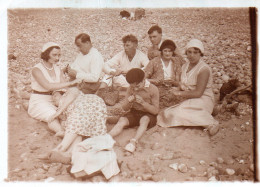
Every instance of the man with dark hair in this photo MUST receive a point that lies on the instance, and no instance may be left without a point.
(122, 62)
(142, 99)
(155, 35)
(88, 64)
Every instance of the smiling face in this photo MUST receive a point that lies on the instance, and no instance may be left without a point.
(54, 56)
(167, 54)
(155, 38)
(193, 55)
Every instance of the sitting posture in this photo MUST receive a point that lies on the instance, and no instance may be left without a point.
(142, 101)
(196, 88)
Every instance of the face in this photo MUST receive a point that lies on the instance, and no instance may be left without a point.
(83, 47)
(56, 98)
(137, 87)
(155, 37)
(167, 53)
(54, 56)
(193, 55)
(130, 47)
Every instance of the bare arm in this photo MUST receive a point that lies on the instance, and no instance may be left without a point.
(39, 77)
(152, 108)
(201, 84)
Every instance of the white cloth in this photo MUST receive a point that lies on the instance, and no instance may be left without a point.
(41, 107)
(191, 112)
(167, 70)
(89, 66)
(121, 61)
(95, 154)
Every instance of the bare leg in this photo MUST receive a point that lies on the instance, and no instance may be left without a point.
(66, 142)
(55, 126)
(118, 128)
(144, 121)
(74, 143)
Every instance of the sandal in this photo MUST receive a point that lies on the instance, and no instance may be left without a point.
(213, 129)
(131, 146)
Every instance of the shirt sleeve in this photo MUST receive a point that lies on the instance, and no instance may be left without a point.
(144, 61)
(115, 61)
(96, 66)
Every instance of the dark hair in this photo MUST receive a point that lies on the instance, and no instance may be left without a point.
(155, 28)
(135, 75)
(46, 54)
(130, 38)
(83, 38)
(201, 54)
(168, 44)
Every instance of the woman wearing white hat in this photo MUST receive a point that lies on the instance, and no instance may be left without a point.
(196, 89)
(47, 77)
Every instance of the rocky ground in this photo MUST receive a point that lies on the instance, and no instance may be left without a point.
(172, 154)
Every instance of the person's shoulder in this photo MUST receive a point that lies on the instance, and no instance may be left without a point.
(153, 88)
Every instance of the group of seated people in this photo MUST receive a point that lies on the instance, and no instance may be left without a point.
(84, 113)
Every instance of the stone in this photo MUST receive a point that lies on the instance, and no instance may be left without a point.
(174, 166)
(220, 160)
(183, 168)
(147, 176)
(156, 145)
(230, 171)
(252, 167)
(202, 162)
(213, 178)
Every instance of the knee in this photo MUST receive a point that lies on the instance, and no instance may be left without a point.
(122, 122)
(144, 121)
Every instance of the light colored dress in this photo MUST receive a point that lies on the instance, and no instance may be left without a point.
(191, 112)
(41, 107)
(86, 116)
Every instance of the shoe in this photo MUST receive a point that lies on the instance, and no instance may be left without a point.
(131, 146)
(60, 157)
(213, 129)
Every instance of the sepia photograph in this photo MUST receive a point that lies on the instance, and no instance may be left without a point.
(118, 92)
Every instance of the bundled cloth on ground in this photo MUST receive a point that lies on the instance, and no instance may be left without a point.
(95, 154)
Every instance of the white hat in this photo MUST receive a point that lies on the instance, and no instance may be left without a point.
(195, 43)
(48, 45)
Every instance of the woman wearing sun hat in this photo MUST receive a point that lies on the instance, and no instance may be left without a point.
(45, 78)
(196, 88)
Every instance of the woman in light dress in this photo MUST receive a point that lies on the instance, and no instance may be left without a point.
(196, 88)
(47, 77)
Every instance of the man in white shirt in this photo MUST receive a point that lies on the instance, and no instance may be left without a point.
(88, 64)
(125, 60)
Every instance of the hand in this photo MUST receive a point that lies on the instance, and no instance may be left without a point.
(76, 81)
(176, 92)
(116, 73)
(154, 81)
(139, 99)
(72, 73)
(131, 98)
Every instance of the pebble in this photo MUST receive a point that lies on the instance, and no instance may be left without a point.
(183, 168)
(49, 179)
(230, 171)
(156, 146)
(225, 78)
(147, 176)
(230, 162)
(213, 178)
(174, 166)
(124, 174)
(247, 123)
(167, 156)
(220, 160)
(139, 178)
(214, 164)
(193, 169)
(251, 167)
(241, 162)
(202, 162)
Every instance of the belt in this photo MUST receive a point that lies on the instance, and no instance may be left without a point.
(42, 93)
